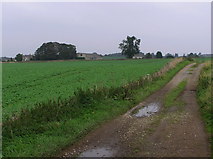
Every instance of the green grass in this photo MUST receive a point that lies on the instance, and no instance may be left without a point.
(204, 96)
(170, 98)
(202, 59)
(58, 134)
(25, 84)
(41, 132)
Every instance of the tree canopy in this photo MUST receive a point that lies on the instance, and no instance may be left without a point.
(192, 55)
(19, 57)
(148, 56)
(54, 51)
(168, 55)
(130, 46)
(159, 55)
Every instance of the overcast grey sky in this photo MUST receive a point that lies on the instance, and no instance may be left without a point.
(100, 27)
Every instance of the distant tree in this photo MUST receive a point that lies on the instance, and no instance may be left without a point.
(195, 55)
(159, 55)
(199, 54)
(130, 46)
(55, 51)
(148, 56)
(67, 51)
(192, 55)
(19, 57)
(176, 54)
(168, 55)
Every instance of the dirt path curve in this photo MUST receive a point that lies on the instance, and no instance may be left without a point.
(174, 132)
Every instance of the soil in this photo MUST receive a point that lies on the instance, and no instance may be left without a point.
(171, 132)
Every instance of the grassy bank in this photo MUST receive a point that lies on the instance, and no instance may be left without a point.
(204, 96)
(52, 125)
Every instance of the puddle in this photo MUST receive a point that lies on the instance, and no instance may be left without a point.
(148, 110)
(189, 72)
(98, 152)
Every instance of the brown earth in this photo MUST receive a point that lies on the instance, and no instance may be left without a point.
(174, 132)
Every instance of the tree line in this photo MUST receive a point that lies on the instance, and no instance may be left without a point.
(52, 51)
(130, 47)
(56, 51)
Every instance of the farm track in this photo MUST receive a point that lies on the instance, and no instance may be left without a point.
(173, 132)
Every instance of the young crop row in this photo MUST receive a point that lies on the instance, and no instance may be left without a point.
(26, 84)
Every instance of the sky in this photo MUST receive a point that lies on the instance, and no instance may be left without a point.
(171, 27)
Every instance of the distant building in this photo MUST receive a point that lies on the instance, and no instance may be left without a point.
(5, 59)
(87, 56)
(27, 57)
(206, 55)
(138, 56)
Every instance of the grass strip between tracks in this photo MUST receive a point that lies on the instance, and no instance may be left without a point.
(170, 99)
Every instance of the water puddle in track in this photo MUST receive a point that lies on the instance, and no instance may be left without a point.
(148, 110)
(98, 152)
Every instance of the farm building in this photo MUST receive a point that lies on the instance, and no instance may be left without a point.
(5, 59)
(87, 56)
(27, 57)
(138, 56)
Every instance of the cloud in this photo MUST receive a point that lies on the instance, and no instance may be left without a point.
(100, 27)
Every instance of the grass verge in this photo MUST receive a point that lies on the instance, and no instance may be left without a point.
(170, 98)
(51, 126)
(204, 96)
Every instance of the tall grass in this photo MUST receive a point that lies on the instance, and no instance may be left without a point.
(204, 96)
(51, 125)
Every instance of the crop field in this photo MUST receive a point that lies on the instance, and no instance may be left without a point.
(203, 59)
(25, 84)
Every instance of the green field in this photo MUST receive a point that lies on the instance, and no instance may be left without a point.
(203, 59)
(25, 84)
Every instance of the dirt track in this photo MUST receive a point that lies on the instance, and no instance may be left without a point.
(174, 132)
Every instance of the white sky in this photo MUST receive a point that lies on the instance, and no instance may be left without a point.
(175, 27)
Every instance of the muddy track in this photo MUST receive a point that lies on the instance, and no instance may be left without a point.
(174, 132)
